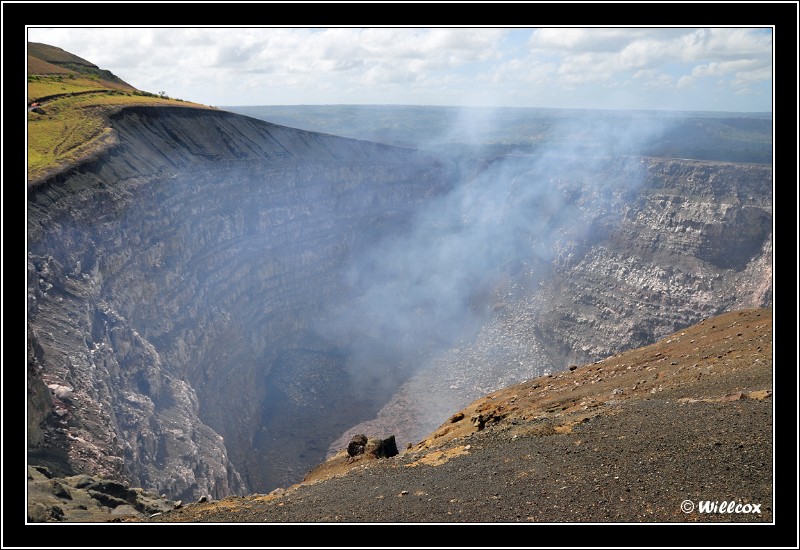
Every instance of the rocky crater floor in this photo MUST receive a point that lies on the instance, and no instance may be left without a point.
(656, 434)
(85, 499)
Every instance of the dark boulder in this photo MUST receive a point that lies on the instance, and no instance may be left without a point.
(356, 445)
(381, 448)
(41, 513)
(58, 490)
(106, 499)
(44, 470)
(114, 489)
(374, 446)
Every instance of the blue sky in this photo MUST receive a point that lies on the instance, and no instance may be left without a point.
(702, 69)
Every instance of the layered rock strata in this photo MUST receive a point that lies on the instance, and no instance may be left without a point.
(695, 240)
(168, 274)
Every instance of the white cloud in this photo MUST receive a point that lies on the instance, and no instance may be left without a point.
(684, 82)
(653, 79)
(590, 39)
(742, 78)
(228, 66)
(726, 67)
(661, 81)
(586, 67)
(645, 54)
(725, 43)
(645, 74)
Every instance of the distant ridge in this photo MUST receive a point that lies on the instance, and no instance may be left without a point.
(47, 59)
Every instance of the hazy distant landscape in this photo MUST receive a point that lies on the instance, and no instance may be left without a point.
(734, 137)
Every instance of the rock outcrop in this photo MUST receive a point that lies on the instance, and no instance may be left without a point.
(82, 498)
(374, 446)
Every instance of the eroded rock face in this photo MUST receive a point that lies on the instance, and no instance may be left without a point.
(694, 241)
(175, 285)
(166, 277)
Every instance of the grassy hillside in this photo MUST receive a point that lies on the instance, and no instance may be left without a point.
(69, 100)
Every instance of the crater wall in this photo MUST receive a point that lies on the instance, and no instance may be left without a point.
(177, 282)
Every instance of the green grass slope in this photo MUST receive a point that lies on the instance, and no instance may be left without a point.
(69, 100)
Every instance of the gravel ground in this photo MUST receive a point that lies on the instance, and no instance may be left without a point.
(644, 436)
(635, 466)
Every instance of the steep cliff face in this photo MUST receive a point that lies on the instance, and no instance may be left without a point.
(178, 283)
(166, 276)
(673, 242)
(696, 243)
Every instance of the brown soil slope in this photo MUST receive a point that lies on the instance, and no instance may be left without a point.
(643, 436)
(39, 66)
(51, 55)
